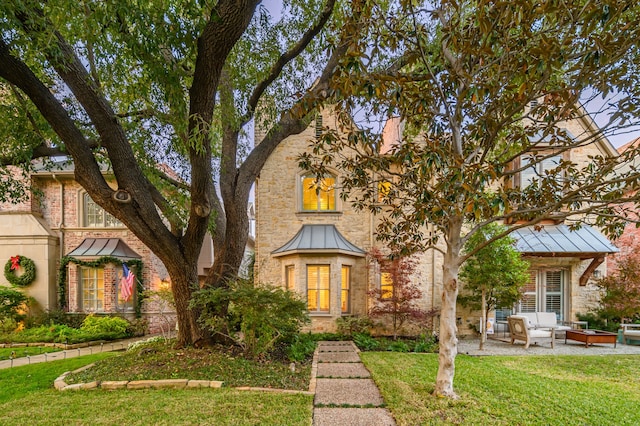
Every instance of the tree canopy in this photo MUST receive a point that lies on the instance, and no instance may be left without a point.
(141, 85)
(490, 96)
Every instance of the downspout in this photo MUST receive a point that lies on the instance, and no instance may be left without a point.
(61, 225)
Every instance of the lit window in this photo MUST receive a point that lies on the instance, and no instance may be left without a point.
(386, 285)
(318, 288)
(96, 216)
(536, 170)
(318, 194)
(346, 287)
(290, 279)
(383, 190)
(92, 289)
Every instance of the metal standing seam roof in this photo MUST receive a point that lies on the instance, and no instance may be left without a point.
(98, 247)
(319, 239)
(558, 239)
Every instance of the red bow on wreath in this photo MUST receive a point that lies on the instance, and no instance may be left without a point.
(15, 262)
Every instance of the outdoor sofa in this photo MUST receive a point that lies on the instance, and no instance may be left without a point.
(630, 332)
(520, 329)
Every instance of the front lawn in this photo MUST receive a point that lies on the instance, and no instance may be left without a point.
(525, 390)
(27, 397)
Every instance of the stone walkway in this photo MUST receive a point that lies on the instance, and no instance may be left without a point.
(70, 353)
(345, 394)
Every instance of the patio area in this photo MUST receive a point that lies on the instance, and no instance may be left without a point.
(499, 345)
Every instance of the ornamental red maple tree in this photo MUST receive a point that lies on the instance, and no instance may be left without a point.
(401, 302)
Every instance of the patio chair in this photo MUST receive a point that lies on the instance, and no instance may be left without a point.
(519, 330)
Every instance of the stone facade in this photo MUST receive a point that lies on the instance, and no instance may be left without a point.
(280, 216)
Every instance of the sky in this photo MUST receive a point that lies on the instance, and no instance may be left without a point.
(617, 139)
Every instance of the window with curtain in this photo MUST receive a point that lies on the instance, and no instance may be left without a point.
(318, 194)
(92, 289)
(318, 288)
(345, 294)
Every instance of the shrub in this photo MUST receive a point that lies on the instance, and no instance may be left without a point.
(398, 346)
(55, 316)
(8, 325)
(13, 303)
(348, 326)
(105, 327)
(426, 343)
(301, 348)
(365, 342)
(257, 317)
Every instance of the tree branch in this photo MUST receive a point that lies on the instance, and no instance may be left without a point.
(287, 57)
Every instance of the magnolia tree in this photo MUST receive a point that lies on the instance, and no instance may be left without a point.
(485, 91)
(137, 84)
(494, 276)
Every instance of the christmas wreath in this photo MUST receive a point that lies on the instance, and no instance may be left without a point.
(28, 273)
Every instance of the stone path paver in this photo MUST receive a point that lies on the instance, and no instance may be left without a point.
(344, 392)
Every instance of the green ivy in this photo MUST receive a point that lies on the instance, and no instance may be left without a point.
(98, 263)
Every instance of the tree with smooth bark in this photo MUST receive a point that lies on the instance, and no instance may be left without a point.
(485, 91)
(134, 85)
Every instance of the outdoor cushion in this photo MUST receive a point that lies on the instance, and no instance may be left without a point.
(518, 330)
(548, 320)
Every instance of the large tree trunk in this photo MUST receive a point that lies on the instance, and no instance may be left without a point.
(448, 318)
(184, 279)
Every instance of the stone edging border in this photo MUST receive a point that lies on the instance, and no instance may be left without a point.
(63, 346)
(61, 385)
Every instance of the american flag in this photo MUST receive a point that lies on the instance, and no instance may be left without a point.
(126, 283)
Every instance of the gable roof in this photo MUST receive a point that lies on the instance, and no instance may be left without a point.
(560, 241)
(99, 247)
(318, 239)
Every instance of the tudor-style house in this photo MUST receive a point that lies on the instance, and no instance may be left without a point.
(60, 225)
(311, 241)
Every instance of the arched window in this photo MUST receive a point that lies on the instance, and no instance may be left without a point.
(318, 194)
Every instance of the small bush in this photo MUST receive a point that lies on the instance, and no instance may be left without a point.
(8, 325)
(348, 326)
(105, 327)
(365, 342)
(13, 303)
(398, 346)
(301, 348)
(258, 317)
(55, 316)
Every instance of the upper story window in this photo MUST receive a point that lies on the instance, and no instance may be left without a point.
(533, 170)
(318, 194)
(95, 216)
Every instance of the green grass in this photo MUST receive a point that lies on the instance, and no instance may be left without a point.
(5, 353)
(27, 397)
(531, 390)
(160, 361)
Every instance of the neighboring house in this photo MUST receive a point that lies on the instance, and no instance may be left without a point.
(629, 241)
(62, 224)
(311, 241)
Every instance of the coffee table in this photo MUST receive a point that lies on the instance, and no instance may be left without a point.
(591, 336)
